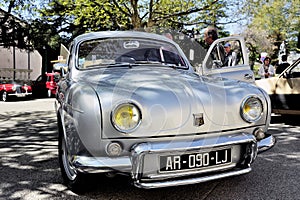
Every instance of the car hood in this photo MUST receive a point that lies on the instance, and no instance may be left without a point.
(169, 99)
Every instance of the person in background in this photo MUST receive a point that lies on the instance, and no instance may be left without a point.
(282, 66)
(218, 52)
(230, 56)
(266, 70)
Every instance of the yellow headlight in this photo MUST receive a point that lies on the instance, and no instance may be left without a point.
(251, 109)
(126, 117)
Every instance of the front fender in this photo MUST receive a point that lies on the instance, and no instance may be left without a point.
(81, 120)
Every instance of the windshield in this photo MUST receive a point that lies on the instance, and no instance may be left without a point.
(114, 52)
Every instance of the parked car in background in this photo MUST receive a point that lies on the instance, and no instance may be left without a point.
(10, 89)
(131, 103)
(45, 85)
(284, 90)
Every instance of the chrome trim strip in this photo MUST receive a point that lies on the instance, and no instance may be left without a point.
(266, 143)
(102, 164)
(284, 111)
(194, 172)
(164, 183)
(19, 94)
(208, 142)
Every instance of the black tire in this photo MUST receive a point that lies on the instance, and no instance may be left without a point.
(72, 178)
(4, 96)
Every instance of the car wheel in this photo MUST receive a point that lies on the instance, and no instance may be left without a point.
(49, 94)
(4, 96)
(71, 177)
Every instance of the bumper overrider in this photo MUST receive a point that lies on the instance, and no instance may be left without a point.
(147, 171)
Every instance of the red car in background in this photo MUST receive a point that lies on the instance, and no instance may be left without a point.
(45, 85)
(11, 88)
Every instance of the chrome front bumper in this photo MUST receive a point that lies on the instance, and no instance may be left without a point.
(133, 164)
(265, 144)
(145, 177)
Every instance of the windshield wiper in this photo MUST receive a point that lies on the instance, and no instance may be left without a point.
(123, 64)
(158, 63)
(137, 63)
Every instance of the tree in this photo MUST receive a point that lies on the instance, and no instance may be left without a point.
(50, 23)
(257, 41)
(275, 21)
(14, 31)
(21, 28)
(76, 17)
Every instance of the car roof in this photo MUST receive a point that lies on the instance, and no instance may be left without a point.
(118, 34)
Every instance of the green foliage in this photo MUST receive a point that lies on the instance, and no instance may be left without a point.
(79, 16)
(47, 23)
(56, 21)
(272, 22)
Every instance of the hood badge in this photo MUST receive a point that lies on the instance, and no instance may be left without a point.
(198, 119)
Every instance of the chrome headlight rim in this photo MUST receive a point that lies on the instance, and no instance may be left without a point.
(245, 115)
(115, 124)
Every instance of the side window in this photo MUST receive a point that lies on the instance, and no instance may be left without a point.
(233, 53)
(224, 53)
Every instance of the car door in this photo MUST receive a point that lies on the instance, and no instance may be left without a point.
(39, 86)
(286, 94)
(240, 70)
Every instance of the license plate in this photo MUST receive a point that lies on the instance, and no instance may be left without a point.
(194, 160)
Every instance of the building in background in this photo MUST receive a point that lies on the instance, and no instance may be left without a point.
(15, 63)
(19, 64)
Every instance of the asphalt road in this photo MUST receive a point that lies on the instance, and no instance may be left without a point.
(29, 166)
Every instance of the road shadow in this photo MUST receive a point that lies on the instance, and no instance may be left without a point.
(28, 150)
(29, 166)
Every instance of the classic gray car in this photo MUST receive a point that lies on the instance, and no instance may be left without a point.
(132, 104)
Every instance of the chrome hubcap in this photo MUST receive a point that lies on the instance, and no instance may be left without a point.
(69, 169)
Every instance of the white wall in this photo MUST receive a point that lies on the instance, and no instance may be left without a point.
(22, 62)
